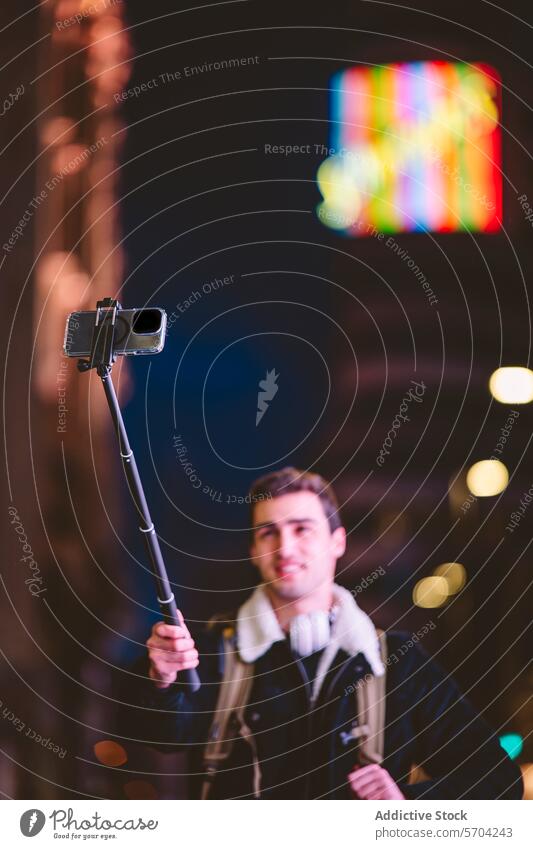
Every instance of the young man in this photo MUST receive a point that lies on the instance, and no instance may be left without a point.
(299, 650)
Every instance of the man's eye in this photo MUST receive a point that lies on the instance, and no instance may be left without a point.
(303, 529)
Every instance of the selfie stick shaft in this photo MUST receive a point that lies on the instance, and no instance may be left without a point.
(102, 360)
(165, 596)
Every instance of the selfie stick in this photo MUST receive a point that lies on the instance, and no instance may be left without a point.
(102, 359)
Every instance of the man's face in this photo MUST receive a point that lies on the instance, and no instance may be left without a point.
(293, 547)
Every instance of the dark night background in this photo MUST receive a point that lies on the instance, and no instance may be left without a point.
(342, 321)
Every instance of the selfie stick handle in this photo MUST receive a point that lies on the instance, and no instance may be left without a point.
(103, 349)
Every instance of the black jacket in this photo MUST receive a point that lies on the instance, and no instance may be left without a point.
(308, 753)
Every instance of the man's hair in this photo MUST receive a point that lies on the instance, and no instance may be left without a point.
(289, 480)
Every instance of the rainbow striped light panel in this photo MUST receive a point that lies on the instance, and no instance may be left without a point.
(413, 146)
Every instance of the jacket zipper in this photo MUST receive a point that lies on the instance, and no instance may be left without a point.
(336, 677)
(324, 696)
(312, 707)
(308, 692)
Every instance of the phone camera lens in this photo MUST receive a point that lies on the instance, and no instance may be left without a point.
(146, 321)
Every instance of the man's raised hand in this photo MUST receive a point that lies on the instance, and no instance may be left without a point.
(171, 649)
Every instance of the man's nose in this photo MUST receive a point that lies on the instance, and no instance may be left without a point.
(287, 542)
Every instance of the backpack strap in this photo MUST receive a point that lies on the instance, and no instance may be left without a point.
(228, 718)
(371, 711)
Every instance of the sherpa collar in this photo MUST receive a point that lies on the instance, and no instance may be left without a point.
(353, 632)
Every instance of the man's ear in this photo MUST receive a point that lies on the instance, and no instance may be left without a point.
(338, 538)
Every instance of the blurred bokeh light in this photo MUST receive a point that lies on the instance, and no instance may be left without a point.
(431, 591)
(454, 574)
(487, 477)
(512, 385)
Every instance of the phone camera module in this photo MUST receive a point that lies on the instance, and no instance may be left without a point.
(146, 321)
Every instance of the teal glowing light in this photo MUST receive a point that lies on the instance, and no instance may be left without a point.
(512, 744)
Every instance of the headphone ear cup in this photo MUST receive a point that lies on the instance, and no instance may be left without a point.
(309, 632)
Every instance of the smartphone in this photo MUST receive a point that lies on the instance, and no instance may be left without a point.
(137, 331)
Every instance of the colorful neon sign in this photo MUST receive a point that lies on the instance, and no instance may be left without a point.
(413, 146)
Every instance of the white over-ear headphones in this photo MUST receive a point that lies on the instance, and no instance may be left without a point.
(310, 632)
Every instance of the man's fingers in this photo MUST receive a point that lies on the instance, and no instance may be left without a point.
(163, 629)
(367, 786)
(376, 794)
(362, 773)
(192, 665)
(361, 780)
(168, 644)
(171, 658)
(374, 782)
(182, 621)
(365, 781)
(189, 656)
(171, 650)
(365, 770)
(368, 791)
(180, 617)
